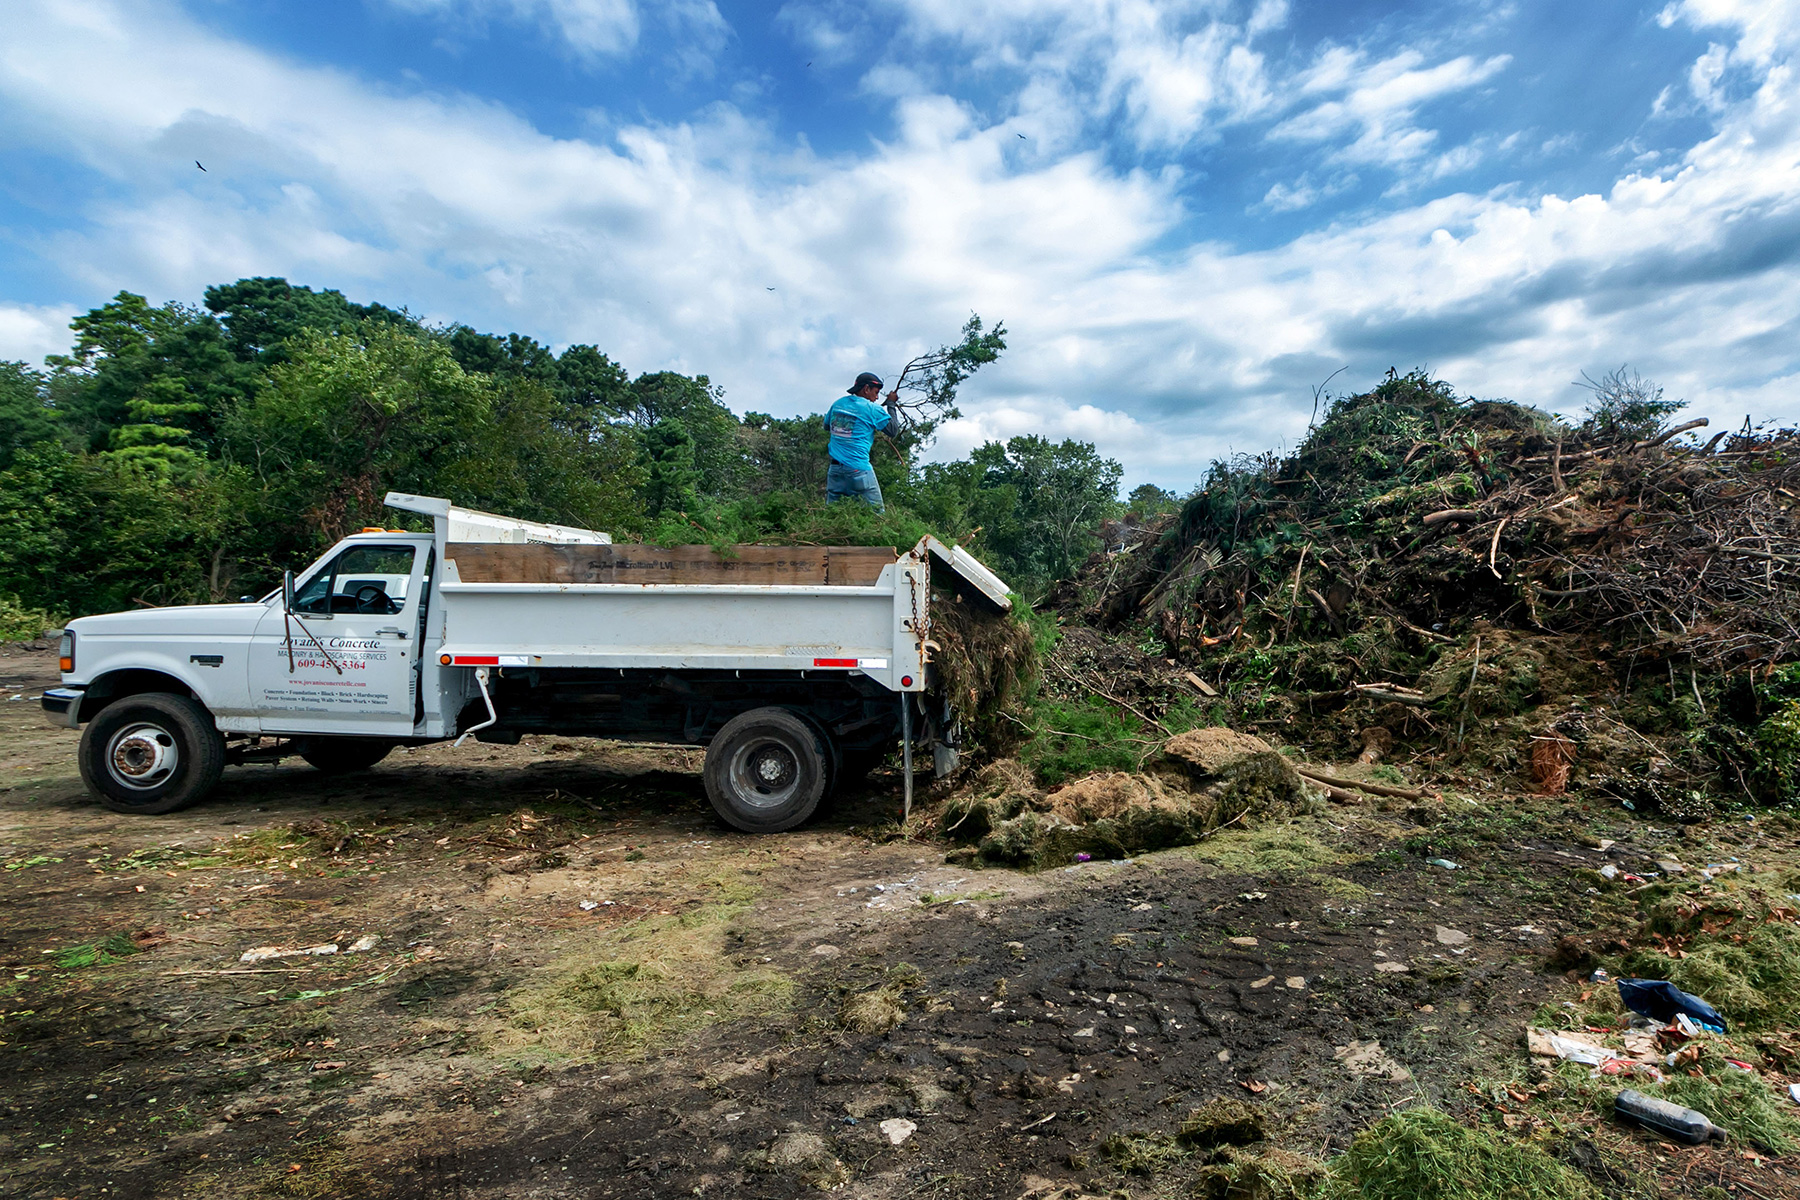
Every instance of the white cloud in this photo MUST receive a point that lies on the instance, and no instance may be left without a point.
(1375, 120)
(660, 242)
(29, 332)
(592, 28)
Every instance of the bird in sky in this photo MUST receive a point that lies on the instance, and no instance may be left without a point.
(1022, 135)
(769, 289)
(197, 164)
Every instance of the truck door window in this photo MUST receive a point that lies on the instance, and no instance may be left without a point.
(363, 579)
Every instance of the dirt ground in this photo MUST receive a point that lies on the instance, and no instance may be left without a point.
(575, 983)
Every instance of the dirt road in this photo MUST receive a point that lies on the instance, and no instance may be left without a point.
(556, 975)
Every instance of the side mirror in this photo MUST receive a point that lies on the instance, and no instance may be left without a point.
(287, 591)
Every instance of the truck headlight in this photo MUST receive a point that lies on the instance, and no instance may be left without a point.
(65, 655)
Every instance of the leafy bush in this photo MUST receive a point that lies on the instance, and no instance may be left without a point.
(21, 624)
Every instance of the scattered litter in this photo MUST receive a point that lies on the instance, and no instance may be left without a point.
(1392, 968)
(1144, 907)
(1368, 1058)
(1253, 896)
(366, 942)
(1253, 1086)
(1599, 975)
(1264, 982)
(1242, 941)
(1670, 1120)
(263, 953)
(1669, 866)
(1605, 845)
(589, 905)
(1661, 1000)
(1088, 1032)
(328, 1066)
(1547, 1044)
(1447, 936)
(1794, 1092)
(1296, 982)
(1224, 1056)
(1444, 863)
(1083, 856)
(897, 1129)
(1609, 872)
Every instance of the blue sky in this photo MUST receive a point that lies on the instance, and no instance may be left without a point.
(1187, 213)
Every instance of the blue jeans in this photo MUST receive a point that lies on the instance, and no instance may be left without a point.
(848, 483)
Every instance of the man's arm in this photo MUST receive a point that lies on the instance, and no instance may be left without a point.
(892, 429)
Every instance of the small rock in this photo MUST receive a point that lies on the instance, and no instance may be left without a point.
(1264, 982)
(1447, 936)
(1669, 866)
(1017, 950)
(1224, 1056)
(1392, 968)
(1144, 907)
(1296, 982)
(364, 943)
(897, 1129)
(1242, 941)
(825, 950)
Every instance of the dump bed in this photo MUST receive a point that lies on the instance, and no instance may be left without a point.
(565, 603)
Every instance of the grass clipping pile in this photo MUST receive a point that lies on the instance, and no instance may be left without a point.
(987, 667)
(1199, 782)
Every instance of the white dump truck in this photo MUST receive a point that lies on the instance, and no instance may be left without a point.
(796, 666)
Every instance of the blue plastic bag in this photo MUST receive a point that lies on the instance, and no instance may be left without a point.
(1660, 1000)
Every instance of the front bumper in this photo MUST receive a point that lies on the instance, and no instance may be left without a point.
(63, 706)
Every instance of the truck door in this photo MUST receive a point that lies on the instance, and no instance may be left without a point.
(343, 661)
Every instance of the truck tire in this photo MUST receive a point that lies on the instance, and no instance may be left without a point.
(154, 752)
(342, 755)
(767, 770)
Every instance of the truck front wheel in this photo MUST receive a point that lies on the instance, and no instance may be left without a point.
(151, 753)
(766, 771)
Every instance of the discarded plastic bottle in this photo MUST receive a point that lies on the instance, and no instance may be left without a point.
(1670, 1120)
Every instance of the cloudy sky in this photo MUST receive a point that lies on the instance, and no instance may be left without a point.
(1187, 213)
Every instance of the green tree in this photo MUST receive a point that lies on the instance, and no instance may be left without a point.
(673, 481)
(352, 415)
(1045, 502)
(664, 397)
(26, 415)
(1148, 500)
(164, 358)
(261, 315)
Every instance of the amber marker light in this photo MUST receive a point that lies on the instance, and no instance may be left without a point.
(444, 659)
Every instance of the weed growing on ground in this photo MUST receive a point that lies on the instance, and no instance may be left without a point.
(102, 953)
(646, 984)
(1423, 1154)
(1288, 849)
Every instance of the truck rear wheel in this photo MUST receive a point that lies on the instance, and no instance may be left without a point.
(151, 753)
(342, 755)
(766, 771)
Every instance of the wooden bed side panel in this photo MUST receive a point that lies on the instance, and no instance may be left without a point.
(804, 566)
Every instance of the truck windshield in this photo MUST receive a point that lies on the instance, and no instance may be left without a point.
(363, 579)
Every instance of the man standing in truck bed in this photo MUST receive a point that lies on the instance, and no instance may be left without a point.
(853, 421)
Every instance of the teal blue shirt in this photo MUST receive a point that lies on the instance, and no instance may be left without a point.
(853, 423)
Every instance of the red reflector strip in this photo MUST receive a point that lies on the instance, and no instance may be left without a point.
(477, 660)
(834, 662)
